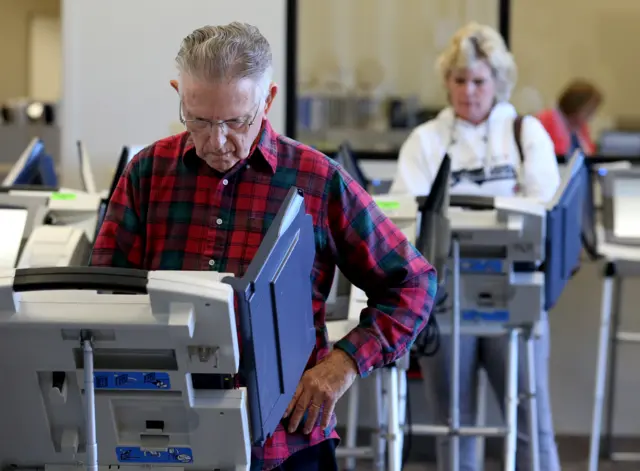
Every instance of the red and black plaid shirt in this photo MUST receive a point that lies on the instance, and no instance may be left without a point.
(170, 211)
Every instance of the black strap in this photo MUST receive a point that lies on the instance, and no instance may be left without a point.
(517, 133)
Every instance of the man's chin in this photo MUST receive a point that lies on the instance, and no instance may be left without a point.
(221, 163)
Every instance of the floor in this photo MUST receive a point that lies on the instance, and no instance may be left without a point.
(573, 451)
(495, 467)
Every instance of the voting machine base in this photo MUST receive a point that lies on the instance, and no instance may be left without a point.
(145, 378)
(500, 287)
(620, 247)
(610, 336)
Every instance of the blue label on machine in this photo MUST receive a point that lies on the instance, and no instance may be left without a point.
(128, 454)
(131, 380)
(474, 315)
(480, 265)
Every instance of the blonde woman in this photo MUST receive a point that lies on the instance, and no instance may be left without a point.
(478, 133)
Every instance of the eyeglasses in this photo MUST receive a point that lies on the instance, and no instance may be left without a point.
(199, 125)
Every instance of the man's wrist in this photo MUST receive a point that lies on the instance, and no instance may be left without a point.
(345, 359)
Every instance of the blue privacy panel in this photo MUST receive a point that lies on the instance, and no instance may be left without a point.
(276, 315)
(564, 231)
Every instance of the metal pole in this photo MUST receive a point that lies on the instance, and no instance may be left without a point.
(379, 437)
(352, 422)
(395, 454)
(454, 398)
(90, 405)
(511, 403)
(601, 372)
(534, 446)
(481, 416)
(610, 393)
(402, 406)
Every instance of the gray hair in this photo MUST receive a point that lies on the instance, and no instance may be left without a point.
(475, 42)
(228, 52)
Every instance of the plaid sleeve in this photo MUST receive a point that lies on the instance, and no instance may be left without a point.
(376, 257)
(120, 240)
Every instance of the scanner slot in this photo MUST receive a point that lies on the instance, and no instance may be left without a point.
(211, 381)
(137, 394)
(483, 252)
(120, 359)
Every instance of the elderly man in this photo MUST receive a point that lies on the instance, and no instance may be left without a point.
(203, 200)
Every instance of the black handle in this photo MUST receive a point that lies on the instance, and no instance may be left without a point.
(596, 159)
(472, 202)
(40, 188)
(92, 278)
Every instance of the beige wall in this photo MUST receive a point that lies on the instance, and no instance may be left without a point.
(14, 42)
(558, 39)
(553, 41)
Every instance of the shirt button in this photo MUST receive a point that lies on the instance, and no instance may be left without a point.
(225, 182)
(219, 221)
(212, 263)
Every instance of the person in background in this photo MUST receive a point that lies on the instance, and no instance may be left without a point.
(204, 199)
(567, 124)
(477, 131)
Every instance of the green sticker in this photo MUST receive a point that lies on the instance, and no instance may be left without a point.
(388, 205)
(63, 196)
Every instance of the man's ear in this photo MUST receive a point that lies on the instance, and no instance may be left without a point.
(273, 91)
(174, 84)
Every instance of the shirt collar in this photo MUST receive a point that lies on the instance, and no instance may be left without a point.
(263, 150)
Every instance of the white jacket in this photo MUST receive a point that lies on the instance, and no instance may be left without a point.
(484, 158)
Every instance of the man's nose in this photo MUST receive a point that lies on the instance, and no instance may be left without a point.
(218, 136)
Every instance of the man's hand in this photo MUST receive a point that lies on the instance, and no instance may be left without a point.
(321, 387)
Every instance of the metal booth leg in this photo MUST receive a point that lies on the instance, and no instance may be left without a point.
(611, 367)
(393, 426)
(511, 403)
(402, 407)
(532, 409)
(454, 398)
(379, 436)
(601, 367)
(352, 423)
(481, 416)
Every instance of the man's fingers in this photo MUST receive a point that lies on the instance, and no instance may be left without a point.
(293, 402)
(298, 412)
(329, 406)
(312, 417)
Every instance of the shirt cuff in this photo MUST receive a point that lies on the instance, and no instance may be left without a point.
(364, 349)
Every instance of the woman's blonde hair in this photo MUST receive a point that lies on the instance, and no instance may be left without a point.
(475, 42)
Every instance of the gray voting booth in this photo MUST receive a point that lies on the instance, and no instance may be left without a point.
(134, 368)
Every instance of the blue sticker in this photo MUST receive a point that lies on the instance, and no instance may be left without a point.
(479, 265)
(487, 316)
(127, 454)
(131, 380)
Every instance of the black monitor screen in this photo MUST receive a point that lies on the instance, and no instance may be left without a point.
(122, 164)
(589, 226)
(102, 211)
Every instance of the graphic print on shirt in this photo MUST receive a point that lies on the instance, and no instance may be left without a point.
(481, 175)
